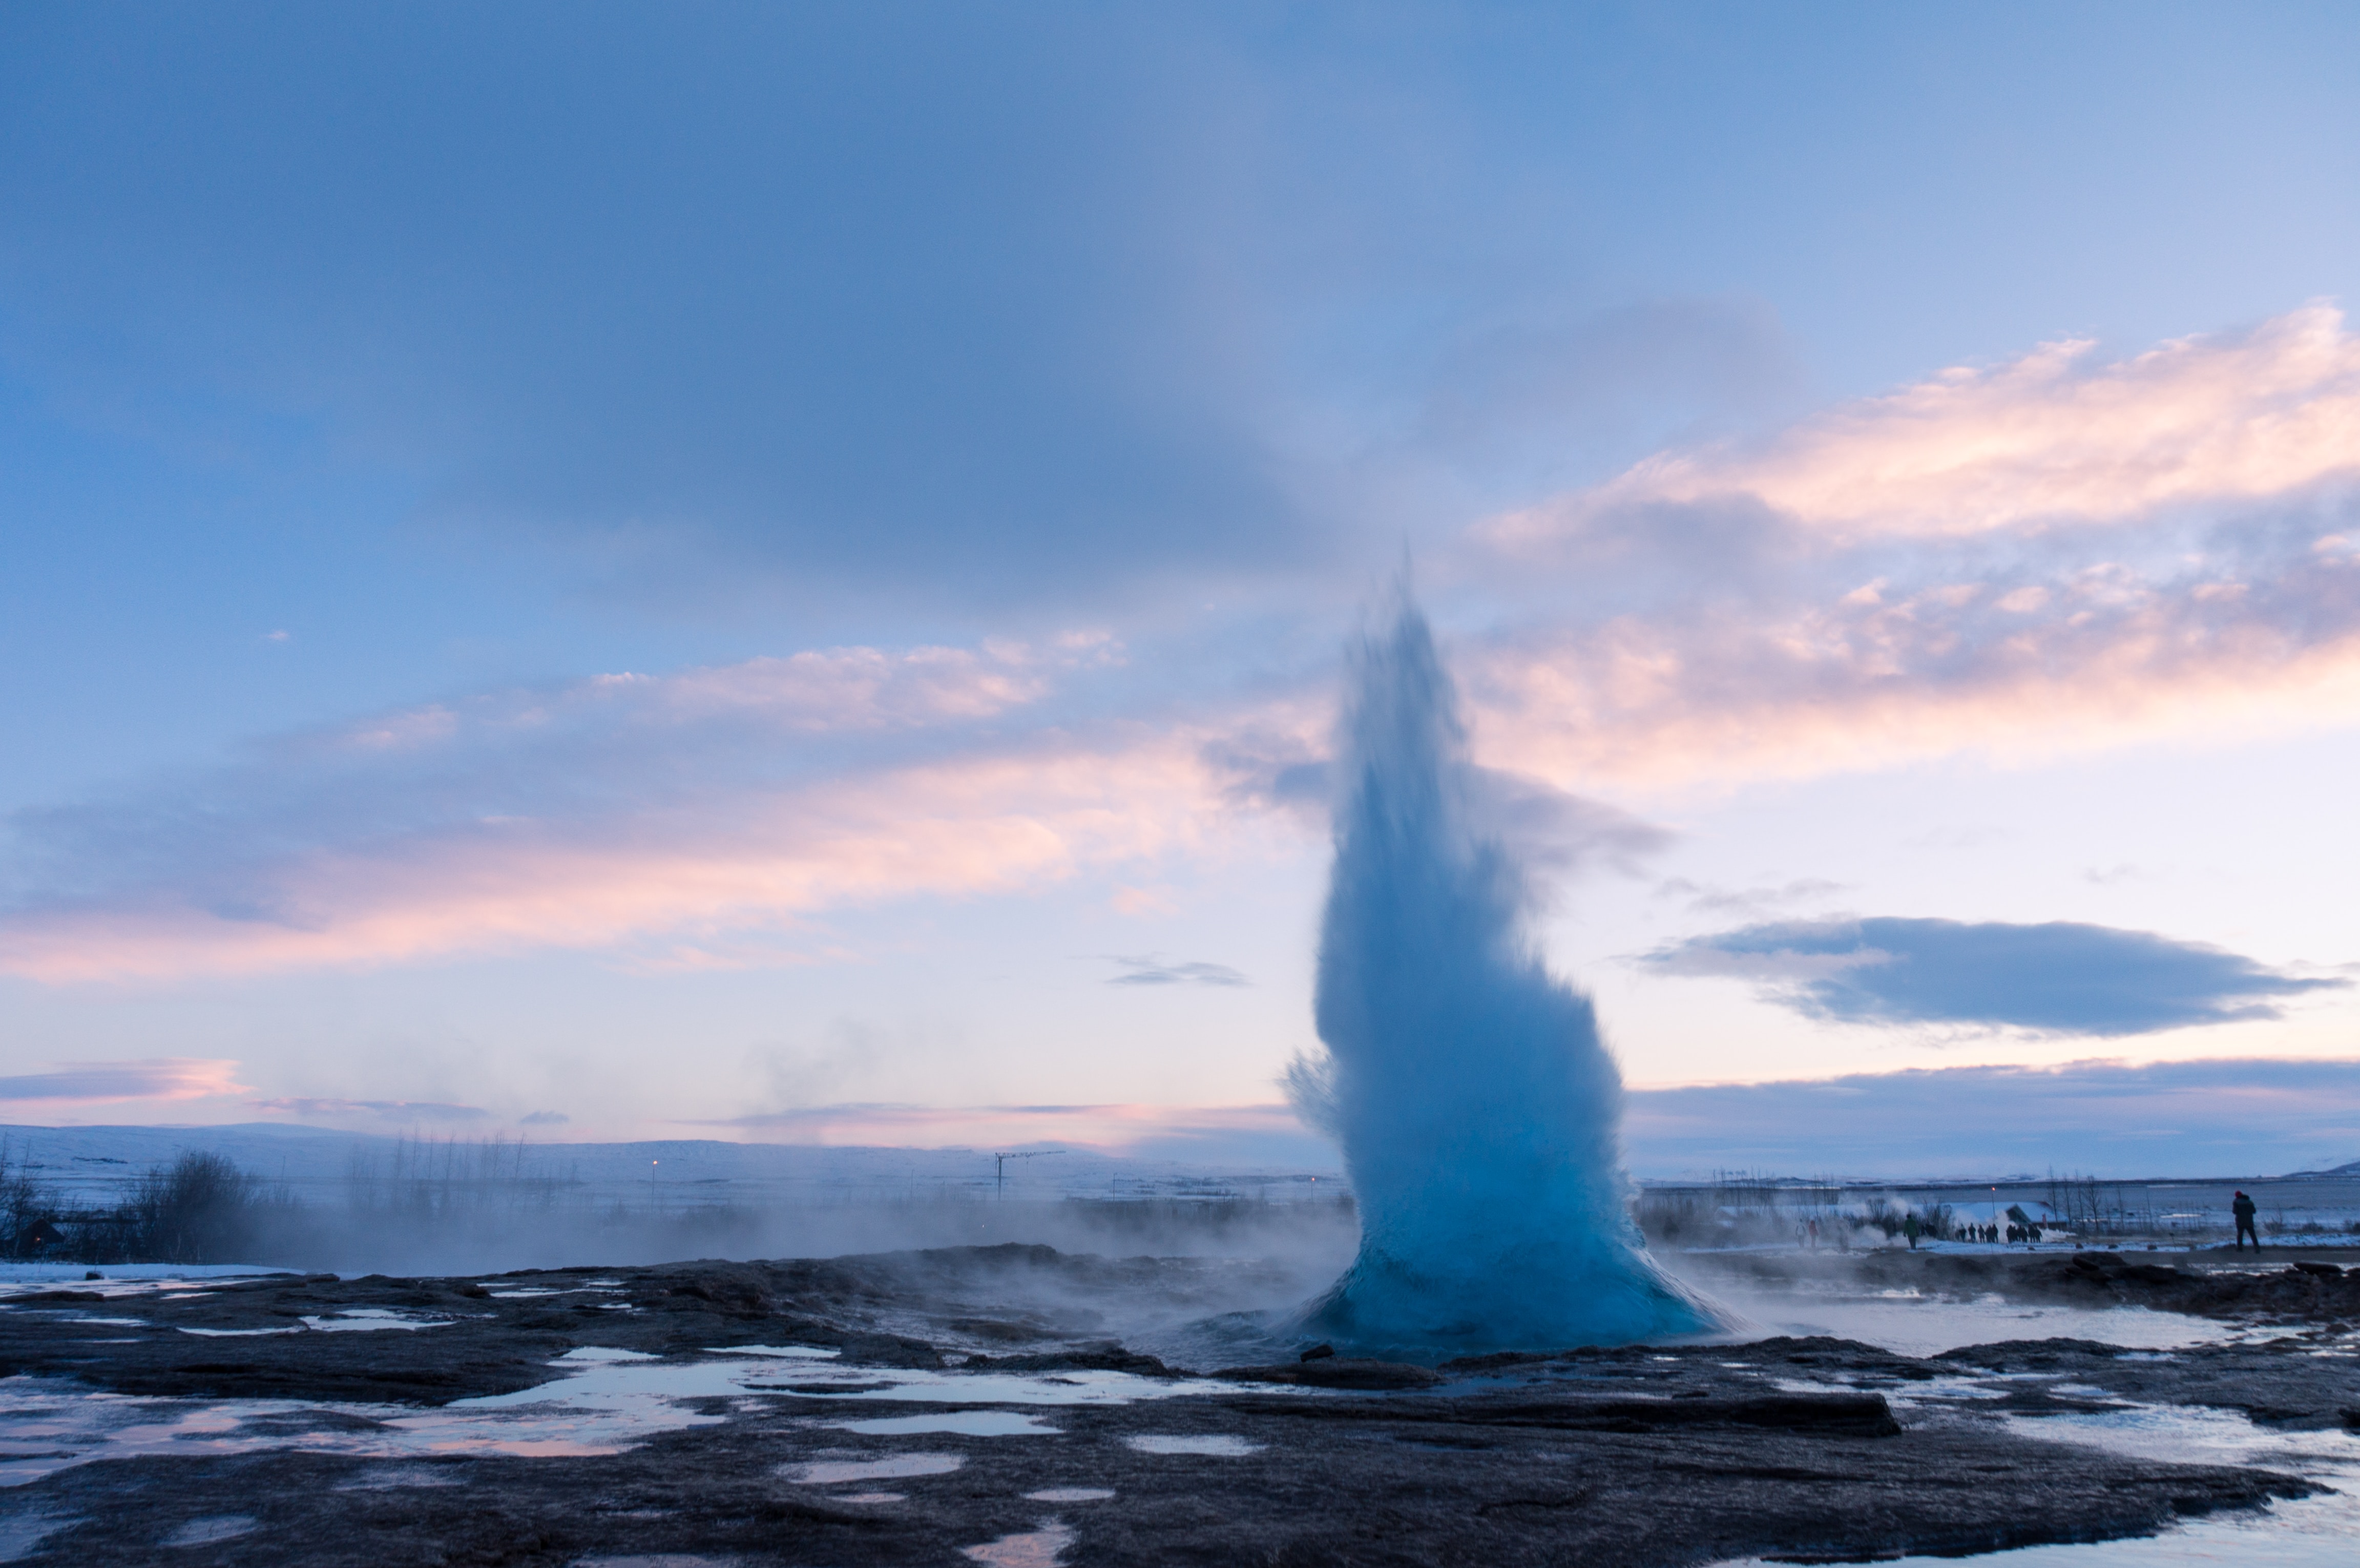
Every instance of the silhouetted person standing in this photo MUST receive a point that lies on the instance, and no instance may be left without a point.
(2243, 1208)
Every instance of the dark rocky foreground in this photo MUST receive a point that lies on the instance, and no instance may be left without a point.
(1806, 1450)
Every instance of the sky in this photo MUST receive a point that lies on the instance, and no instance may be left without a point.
(783, 572)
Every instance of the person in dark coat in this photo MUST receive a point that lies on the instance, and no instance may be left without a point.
(2243, 1208)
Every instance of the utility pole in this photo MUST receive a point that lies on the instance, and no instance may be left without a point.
(1000, 1167)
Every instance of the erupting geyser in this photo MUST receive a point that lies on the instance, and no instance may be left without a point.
(1478, 1108)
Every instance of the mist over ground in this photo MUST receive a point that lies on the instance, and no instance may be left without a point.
(307, 1198)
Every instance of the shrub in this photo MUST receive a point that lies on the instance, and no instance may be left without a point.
(200, 1209)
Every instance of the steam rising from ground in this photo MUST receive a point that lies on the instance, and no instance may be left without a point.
(1478, 1108)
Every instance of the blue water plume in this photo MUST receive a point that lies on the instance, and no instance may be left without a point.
(1478, 1110)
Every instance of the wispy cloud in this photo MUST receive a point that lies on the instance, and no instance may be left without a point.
(2052, 555)
(1150, 971)
(401, 1111)
(2054, 436)
(613, 811)
(1843, 596)
(102, 1082)
(2054, 978)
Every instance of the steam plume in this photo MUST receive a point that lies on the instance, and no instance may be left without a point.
(1478, 1108)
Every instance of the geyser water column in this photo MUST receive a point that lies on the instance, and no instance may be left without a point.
(1479, 1111)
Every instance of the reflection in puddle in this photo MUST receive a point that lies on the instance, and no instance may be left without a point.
(387, 1477)
(1036, 1549)
(205, 1531)
(1224, 1447)
(80, 1318)
(604, 1401)
(363, 1320)
(2311, 1532)
(884, 1467)
(966, 1423)
(2192, 1435)
(1070, 1495)
(1913, 1324)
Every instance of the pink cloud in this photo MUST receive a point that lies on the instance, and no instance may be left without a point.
(399, 1111)
(829, 691)
(110, 1082)
(2048, 437)
(702, 819)
(1874, 679)
(721, 863)
(2050, 555)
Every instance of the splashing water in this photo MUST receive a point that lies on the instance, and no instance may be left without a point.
(1479, 1111)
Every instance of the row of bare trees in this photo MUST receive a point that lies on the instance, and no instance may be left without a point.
(200, 1208)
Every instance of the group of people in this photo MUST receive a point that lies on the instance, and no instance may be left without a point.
(2014, 1232)
(1806, 1234)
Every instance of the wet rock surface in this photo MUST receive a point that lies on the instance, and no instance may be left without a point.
(1802, 1449)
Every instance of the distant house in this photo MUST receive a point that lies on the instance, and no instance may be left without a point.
(39, 1236)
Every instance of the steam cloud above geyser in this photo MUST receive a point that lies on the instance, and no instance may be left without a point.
(1478, 1108)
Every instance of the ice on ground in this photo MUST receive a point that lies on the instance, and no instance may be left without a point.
(604, 1401)
(1929, 1325)
(205, 1531)
(364, 1320)
(885, 1467)
(1036, 1549)
(1220, 1446)
(962, 1423)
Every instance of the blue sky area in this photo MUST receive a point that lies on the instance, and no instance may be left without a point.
(618, 570)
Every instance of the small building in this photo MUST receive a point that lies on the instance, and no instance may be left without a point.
(39, 1238)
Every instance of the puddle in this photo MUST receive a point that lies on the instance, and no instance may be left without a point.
(1221, 1447)
(205, 1531)
(1037, 1549)
(1917, 1325)
(125, 1278)
(2193, 1434)
(238, 1332)
(601, 1401)
(2316, 1532)
(885, 1467)
(79, 1318)
(362, 1320)
(966, 1423)
(1069, 1494)
(898, 1385)
(867, 1497)
(2311, 1532)
(389, 1477)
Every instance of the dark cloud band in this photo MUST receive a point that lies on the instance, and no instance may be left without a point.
(2057, 977)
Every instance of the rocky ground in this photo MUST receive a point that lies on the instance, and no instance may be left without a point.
(278, 1406)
